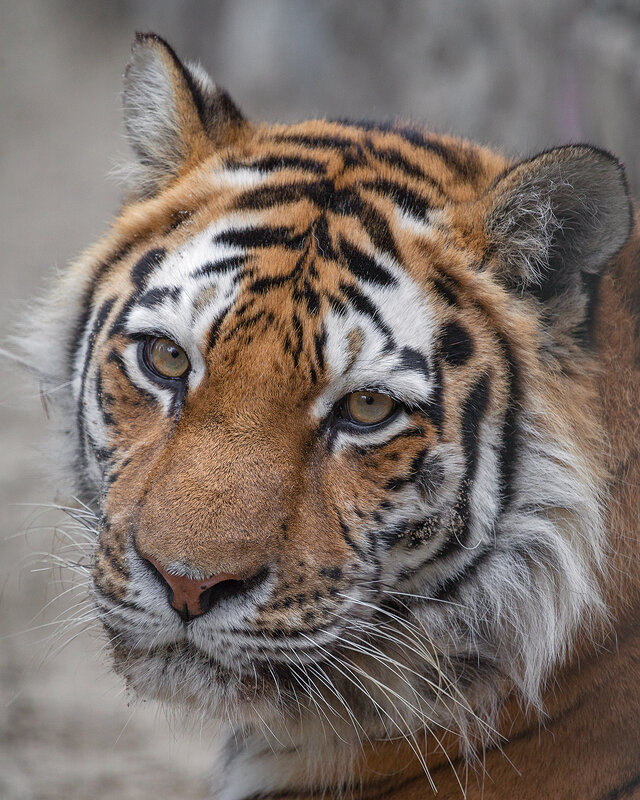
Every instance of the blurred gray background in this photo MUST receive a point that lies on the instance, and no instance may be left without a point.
(518, 74)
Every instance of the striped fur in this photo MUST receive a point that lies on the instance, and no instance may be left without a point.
(412, 578)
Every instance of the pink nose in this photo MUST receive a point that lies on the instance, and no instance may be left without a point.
(190, 597)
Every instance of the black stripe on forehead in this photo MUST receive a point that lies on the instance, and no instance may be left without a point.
(309, 296)
(322, 237)
(394, 158)
(363, 267)
(263, 285)
(328, 199)
(318, 192)
(143, 269)
(155, 297)
(145, 265)
(331, 142)
(263, 236)
(406, 199)
(363, 305)
(375, 225)
(140, 274)
(319, 341)
(220, 267)
(275, 163)
(460, 158)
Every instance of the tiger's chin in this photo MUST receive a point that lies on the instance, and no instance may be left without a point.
(274, 700)
(190, 681)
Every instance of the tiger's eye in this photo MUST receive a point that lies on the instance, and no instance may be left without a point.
(166, 358)
(369, 408)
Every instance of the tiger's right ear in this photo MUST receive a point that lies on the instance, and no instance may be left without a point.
(173, 113)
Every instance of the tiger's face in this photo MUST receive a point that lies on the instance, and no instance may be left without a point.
(269, 397)
(334, 406)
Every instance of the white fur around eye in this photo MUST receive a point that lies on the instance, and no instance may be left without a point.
(345, 437)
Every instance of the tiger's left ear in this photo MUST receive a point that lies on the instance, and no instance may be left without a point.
(553, 224)
(173, 113)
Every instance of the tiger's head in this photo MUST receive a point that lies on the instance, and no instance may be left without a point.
(330, 392)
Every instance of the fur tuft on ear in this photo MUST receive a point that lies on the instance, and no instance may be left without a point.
(173, 113)
(555, 221)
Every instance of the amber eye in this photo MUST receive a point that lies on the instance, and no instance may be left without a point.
(165, 358)
(369, 408)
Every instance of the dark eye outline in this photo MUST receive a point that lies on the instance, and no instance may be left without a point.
(144, 348)
(342, 415)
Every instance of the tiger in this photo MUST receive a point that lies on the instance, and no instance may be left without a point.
(353, 407)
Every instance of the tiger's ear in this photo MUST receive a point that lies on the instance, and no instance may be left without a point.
(553, 224)
(173, 113)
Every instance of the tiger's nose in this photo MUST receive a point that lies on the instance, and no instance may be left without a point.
(193, 598)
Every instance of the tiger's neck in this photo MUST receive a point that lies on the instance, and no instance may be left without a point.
(592, 709)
